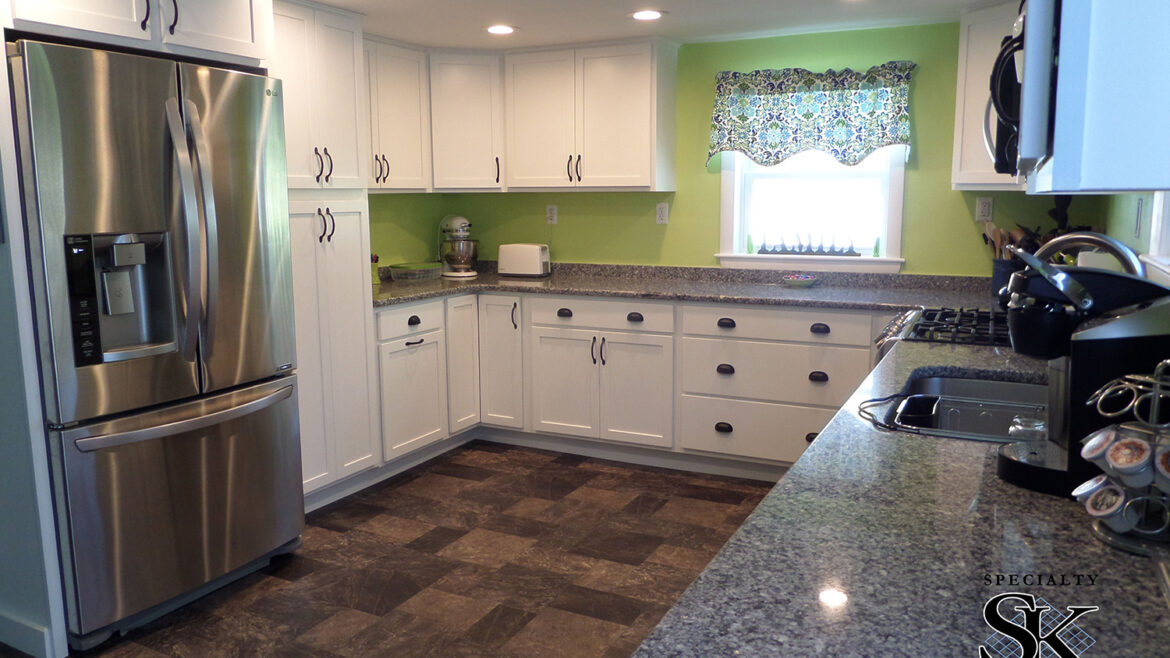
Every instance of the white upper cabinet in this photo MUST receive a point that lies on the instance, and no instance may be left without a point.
(980, 33)
(592, 117)
(400, 124)
(467, 121)
(240, 28)
(318, 55)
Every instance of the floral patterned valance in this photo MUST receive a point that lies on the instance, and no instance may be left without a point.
(772, 114)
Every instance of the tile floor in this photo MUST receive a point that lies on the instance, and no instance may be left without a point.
(489, 550)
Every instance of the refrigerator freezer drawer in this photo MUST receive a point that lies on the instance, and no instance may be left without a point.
(163, 502)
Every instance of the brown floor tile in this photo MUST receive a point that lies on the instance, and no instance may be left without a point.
(683, 559)
(645, 504)
(289, 609)
(394, 529)
(601, 605)
(617, 546)
(486, 547)
(695, 512)
(713, 494)
(465, 472)
(342, 515)
(436, 540)
(237, 596)
(498, 626)
(372, 590)
(552, 485)
(521, 587)
(516, 525)
(570, 460)
(400, 635)
(603, 497)
(555, 560)
(565, 635)
(115, 649)
(529, 507)
(434, 512)
(463, 578)
(651, 582)
(436, 487)
(451, 611)
(292, 567)
(338, 629)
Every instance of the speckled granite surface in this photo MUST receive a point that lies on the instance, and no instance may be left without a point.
(908, 527)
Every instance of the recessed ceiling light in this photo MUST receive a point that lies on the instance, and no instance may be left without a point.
(648, 15)
(501, 29)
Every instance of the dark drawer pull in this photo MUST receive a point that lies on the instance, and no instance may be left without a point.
(723, 428)
(412, 343)
(634, 317)
(725, 369)
(810, 437)
(818, 376)
(564, 312)
(413, 320)
(819, 328)
(726, 323)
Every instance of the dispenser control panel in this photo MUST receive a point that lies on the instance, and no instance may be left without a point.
(83, 300)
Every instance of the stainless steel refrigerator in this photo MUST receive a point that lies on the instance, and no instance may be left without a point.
(155, 206)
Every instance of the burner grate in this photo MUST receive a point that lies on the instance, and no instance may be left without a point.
(968, 326)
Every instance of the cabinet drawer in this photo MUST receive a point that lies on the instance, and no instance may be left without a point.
(778, 323)
(627, 315)
(410, 320)
(777, 372)
(753, 429)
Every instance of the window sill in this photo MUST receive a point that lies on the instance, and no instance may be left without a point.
(811, 263)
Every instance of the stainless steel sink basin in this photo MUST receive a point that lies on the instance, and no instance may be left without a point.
(977, 409)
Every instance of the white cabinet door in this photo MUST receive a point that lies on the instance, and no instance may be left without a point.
(565, 381)
(235, 27)
(637, 386)
(540, 107)
(317, 461)
(399, 118)
(462, 331)
(346, 306)
(980, 33)
(414, 393)
(335, 88)
(292, 62)
(501, 366)
(125, 18)
(466, 121)
(615, 110)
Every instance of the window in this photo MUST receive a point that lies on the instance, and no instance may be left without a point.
(811, 212)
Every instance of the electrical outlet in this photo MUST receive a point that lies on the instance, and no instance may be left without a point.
(662, 213)
(984, 212)
(550, 213)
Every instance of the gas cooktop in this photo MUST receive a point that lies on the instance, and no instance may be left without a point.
(970, 326)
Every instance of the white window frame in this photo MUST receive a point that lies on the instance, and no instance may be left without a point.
(1157, 260)
(890, 263)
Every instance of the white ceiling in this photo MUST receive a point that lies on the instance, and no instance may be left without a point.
(461, 23)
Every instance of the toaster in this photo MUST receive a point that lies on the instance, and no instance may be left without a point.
(524, 260)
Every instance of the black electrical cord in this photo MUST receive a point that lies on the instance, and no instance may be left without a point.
(864, 411)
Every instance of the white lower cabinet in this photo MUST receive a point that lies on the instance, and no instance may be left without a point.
(462, 362)
(501, 361)
(744, 428)
(334, 334)
(566, 381)
(414, 392)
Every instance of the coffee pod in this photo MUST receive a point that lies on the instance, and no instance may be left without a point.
(1097, 445)
(1162, 469)
(1133, 461)
(1086, 489)
(1109, 505)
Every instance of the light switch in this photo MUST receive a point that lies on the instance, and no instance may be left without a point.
(118, 294)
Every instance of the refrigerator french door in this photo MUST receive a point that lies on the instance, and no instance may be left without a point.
(155, 205)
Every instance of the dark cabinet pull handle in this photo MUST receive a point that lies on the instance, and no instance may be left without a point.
(324, 226)
(592, 354)
(603, 350)
(818, 376)
(175, 4)
(634, 316)
(564, 312)
(569, 167)
(320, 163)
(386, 169)
(413, 321)
(330, 173)
(810, 437)
(723, 428)
(725, 369)
(333, 229)
(497, 168)
(412, 343)
(146, 20)
(514, 305)
(377, 168)
(726, 323)
(578, 167)
(819, 328)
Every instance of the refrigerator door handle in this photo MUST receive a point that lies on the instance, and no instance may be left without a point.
(191, 224)
(211, 226)
(191, 424)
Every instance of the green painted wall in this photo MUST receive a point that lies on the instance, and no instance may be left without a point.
(1122, 219)
(939, 234)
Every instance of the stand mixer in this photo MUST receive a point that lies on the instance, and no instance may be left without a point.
(456, 250)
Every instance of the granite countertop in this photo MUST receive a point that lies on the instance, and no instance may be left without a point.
(910, 528)
(834, 295)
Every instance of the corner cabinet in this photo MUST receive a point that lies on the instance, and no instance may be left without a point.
(972, 166)
(592, 117)
(462, 362)
(400, 123)
(318, 54)
(467, 121)
(332, 301)
(501, 361)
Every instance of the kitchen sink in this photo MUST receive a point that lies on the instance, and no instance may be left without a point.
(977, 409)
